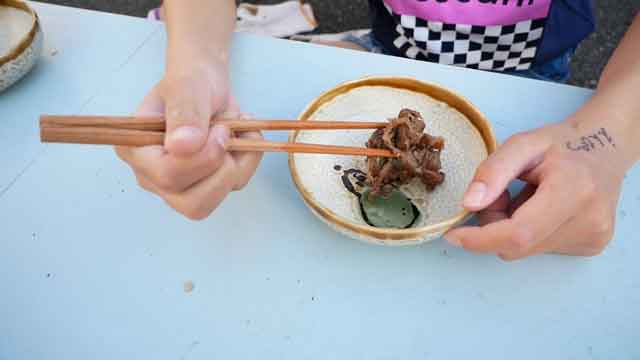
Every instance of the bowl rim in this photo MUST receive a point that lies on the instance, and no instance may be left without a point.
(26, 41)
(436, 91)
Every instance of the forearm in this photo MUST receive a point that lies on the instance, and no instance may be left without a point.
(616, 105)
(199, 30)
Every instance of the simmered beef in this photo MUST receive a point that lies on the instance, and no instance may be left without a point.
(418, 155)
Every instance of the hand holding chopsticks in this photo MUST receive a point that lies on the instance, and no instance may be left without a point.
(143, 131)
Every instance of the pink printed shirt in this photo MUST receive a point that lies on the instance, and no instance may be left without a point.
(501, 35)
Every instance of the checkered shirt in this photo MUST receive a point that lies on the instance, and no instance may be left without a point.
(498, 48)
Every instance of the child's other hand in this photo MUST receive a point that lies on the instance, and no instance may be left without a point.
(568, 205)
(192, 172)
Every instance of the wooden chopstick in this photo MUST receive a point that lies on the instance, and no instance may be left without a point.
(134, 137)
(100, 136)
(238, 144)
(158, 123)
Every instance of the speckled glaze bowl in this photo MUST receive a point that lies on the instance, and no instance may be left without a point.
(320, 179)
(20, 41)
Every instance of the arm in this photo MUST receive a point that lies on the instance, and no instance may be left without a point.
(199, 34)
(200, 28)
(573, 169)
(192, 172)
(615, 105)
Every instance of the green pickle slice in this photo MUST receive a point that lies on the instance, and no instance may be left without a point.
(396, 211)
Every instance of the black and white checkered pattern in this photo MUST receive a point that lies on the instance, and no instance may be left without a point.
(498, 48)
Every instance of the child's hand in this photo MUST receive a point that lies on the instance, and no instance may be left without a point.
(192, 172)
(568, 206)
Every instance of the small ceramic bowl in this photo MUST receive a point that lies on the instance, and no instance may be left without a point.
(322, 179)
(20, 41)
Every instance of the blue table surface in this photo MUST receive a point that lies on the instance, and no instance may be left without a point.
(92, 267)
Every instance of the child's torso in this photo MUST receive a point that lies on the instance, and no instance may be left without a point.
(500, 35)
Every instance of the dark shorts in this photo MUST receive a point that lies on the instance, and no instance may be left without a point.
(556, 70)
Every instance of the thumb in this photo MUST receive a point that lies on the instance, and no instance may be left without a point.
(517, 155)
(187, 112)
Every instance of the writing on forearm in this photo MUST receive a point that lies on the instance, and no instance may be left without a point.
(592, 142)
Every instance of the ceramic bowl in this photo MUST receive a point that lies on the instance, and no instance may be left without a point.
(320, 179)
(20, 41)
